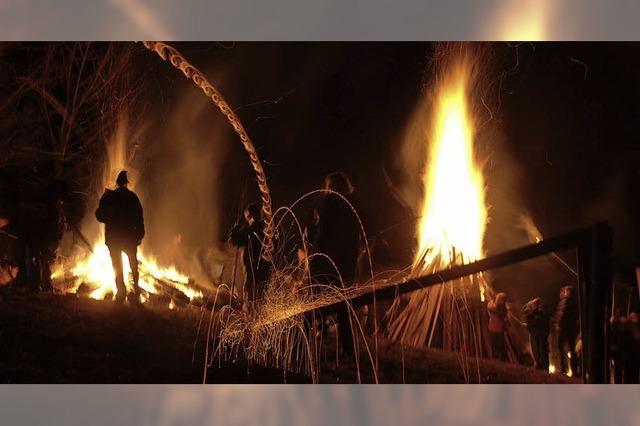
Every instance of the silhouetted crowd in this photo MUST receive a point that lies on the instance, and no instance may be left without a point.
(540, 324)
(331, 250)
(624, 347)
(559, 333)
(32, 222)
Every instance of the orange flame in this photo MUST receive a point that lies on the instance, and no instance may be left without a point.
(96, 269)
(453, 213)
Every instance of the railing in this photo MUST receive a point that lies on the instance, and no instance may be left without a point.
(593, 245)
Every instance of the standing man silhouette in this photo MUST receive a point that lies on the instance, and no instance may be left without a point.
(334, 231)
(121, 212)
(250, 236)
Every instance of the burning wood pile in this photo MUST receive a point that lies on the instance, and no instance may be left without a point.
(452, 222)
(93, 277)
(89, 271)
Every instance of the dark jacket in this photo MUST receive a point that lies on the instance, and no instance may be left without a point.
(251, 239)
(335, 232)
(537, 317)
(121, 212)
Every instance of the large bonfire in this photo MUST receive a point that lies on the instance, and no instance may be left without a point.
(452, 219)
(453, 214)
(91, 268)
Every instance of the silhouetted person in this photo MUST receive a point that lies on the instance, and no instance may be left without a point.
(39, 222)
(537, 317)
(55, 225)
(334, 231)
(497, 309)
(250, 237)
(121, 212)
(566, 324)
(617, 349)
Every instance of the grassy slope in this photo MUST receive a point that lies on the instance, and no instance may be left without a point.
(63, 339)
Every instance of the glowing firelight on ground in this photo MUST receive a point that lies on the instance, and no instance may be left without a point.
(552, 367)
(96, 270)
(454, 214)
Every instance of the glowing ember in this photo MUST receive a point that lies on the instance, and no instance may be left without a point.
(454, 214)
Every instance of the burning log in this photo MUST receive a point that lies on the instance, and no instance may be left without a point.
(172, 292)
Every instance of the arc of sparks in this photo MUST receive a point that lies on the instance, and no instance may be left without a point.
(175, 58)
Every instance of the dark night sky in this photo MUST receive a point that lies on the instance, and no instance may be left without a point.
(567, 113)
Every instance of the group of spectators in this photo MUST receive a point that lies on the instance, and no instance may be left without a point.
(332, 246)
(33, 219)
(564, 326)
(564, 322)
(624, 346)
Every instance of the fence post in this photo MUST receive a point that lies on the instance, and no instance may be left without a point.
(594, 259)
